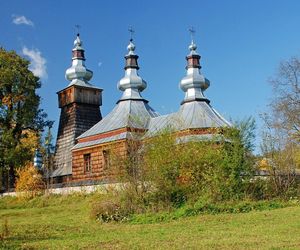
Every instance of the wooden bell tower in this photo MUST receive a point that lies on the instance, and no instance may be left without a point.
(80, 109)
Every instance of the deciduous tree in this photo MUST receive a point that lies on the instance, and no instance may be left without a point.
(285, 106)
(19, 111)
(281, 135)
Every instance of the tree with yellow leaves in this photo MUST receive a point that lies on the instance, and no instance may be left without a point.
(19, 113)
(29, 182)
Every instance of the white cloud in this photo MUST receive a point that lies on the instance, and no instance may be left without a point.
(38, 63)
(22, 20)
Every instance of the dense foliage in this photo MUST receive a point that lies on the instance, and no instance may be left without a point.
(29, 182)
(19, 113)
(166, 172)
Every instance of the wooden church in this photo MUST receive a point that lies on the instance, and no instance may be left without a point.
(84, 138)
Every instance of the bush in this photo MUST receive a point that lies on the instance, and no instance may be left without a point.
(162, 174)
(107, 211)
(220, 168)
(29, 182)
(109, 208)
(119, 204)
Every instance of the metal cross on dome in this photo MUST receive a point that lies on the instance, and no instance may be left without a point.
(131, 31)
(77, 26)
(192, 32)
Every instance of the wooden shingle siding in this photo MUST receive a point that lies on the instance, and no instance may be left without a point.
(97, 161)
(79, 112)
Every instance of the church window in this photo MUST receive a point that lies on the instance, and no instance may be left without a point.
(106, 159)
(87, 163)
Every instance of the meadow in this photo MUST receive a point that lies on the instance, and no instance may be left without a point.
(64, 222)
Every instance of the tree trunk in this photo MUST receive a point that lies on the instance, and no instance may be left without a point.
(2, 180)
(11, 178)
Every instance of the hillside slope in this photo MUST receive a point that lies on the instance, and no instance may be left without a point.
(65, 223)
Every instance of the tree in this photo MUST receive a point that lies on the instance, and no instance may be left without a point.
(47, 150)
(285, 106)
(19, 111)
(246, 132)
(29, 182)
(282, 160)
(281, 136)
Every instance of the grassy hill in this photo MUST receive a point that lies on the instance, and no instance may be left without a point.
(58, 222)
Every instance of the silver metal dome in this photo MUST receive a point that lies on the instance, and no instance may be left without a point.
(193, 48)
(131, 84)
(77, 41)
(194, 79)
(131, 48)
(194, 83)
(78, 73)
(131, 111)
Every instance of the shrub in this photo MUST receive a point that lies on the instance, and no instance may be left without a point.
(166, 172)
(219, 168)
(109, 208)
(30, 182)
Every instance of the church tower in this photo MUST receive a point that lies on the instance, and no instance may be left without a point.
(80, 105)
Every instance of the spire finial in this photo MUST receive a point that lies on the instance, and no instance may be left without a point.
(132, 84)
(78, 74)
(77, 42)
(194, 80)
(131, 46)
(192, 46)
(192, 32)
(131, 31)
(77, 27)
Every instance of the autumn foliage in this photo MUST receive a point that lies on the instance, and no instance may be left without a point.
(29, 182)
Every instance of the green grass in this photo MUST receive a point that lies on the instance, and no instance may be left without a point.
(57, 222)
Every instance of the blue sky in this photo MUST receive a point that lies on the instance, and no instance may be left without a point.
(241, 44)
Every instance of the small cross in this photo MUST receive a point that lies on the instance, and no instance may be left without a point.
(192, 32)
(131, 31)
(77, 26)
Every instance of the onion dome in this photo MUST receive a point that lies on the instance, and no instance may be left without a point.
(78, 74)
(131, 112)
(131, 84)
(194, 83)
